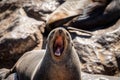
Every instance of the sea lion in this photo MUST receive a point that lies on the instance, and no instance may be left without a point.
(108, 16)
(25, 65)
(66, 11)
(60, 61)
(71, 9)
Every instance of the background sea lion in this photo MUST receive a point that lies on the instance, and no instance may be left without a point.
(106, 17)
(60, 61)
(85, 9)
(67, 11)
(25, 66)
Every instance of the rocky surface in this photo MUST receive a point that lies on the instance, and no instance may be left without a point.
(21, 26)
(99, 53)
(98, 77)
(22, 29)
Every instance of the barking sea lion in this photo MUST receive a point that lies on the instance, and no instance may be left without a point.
(60, 61)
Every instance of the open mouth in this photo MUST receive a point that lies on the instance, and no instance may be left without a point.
(58, 46)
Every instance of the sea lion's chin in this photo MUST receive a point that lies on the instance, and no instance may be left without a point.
(58, 46)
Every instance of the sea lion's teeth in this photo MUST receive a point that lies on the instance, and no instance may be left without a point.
(57, 52)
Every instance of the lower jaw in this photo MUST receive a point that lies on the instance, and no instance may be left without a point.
(58, 54)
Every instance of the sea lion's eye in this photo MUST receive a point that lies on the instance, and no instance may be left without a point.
(68, 36)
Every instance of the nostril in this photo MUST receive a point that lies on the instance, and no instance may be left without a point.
(60, 31)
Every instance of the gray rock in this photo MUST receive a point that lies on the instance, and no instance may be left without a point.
(99, 53)
(4, 71)
(18, 34)
(98, 77)
(41, 9)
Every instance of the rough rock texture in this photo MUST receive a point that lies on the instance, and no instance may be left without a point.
(41, 10)
(98, 77)
(3, 72)
(18, 35)
(99, 52)
(21, 25)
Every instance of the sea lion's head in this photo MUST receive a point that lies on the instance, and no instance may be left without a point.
(59, 44)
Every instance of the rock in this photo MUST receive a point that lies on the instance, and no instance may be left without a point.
(4, 71)
(98, 53)
(22, 22)
(18, 34)
(98, 77)
(41, 9)
(118, 57)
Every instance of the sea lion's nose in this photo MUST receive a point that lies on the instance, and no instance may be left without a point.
(60, 31)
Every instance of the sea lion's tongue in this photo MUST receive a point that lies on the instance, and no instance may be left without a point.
(58, 46)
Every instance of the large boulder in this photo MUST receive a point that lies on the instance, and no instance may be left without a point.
(18, 33)
(22, 23)
(99, 52)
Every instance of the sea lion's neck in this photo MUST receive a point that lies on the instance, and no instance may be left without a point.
(67, 67)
